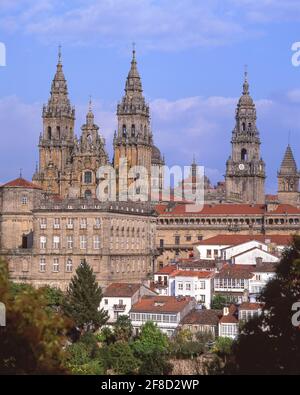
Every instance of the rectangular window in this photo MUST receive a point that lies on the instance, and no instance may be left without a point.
(161, 243)
(180, 286)
(69, 265)
(105, 301)
(188, 238)
(188, 286)
(216, 253)
(202, 284)
(43, 242)
(177, 240)
(55, 265)
(83, 223)
(56, 224)
(56, 242)
(208, 253)
(96, 242)
(24, 199)
(70, 242)
(43, 223)
(83, 242)
(42, 265)
(70, 223)
(97, 223)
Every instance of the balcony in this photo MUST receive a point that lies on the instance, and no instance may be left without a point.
(119, 307)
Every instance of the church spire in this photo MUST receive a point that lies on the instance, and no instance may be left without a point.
(133, 82)
(288, 164)
(246, 83)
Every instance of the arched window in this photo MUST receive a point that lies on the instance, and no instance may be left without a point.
(243, 126)
(249, 125)
(132, 130)
(49, 133)
(87, 177)
(124, 130)
(87, 194)
(58, 132)
(244, 155)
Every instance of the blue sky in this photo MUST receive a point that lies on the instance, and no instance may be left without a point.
(191, 55)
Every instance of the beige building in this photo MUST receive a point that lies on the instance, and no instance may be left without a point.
(45, 238)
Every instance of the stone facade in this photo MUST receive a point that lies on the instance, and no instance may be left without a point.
(245, 169)
(46, 243)
(288, 180)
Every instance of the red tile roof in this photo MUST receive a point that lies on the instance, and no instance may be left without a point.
(231, 317)
(202, 317)
(125, 290)
(250, 306)
(211, 209)
(236, 239)
(161, 304)
(167, 269)
(192, 273)
(20, 183)
(180, 209)
(236, 272)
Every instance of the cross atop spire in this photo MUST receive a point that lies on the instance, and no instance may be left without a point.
(133, 51)
(90, 103)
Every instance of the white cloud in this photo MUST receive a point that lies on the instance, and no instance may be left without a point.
(182, 128)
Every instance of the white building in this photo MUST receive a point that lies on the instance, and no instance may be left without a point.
(229, 323)
(225, 246)
(263, 273)
(195, 284)
(250, 257)
(165, 311)
(118, 298)
(163, 284)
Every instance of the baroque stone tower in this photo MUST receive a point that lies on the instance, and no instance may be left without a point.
(57, 139)
(89, 155)
(288, 179)
(134, 141)
(245, 169)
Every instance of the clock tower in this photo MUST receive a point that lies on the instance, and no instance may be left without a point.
(245, 169)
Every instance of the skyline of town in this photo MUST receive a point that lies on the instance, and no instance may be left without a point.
(192, 88)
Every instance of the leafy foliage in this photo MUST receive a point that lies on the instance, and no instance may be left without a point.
(152, 348)
(279, 341)
(119, 357)
(32, 341)
(218, 302)
(123, 328)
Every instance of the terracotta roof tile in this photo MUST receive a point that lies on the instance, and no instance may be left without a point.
(20, 183)
(161, 304)
(250, 306)
(202, 317)
(169, 269)
(121, 290)
(192, 273)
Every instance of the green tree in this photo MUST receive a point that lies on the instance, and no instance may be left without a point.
(270, 344)
(34, 337)
(223, 347)
(119, 357)
(83, 299)
(123, 328)
(54, 297)
(152, 348)
(218, 302)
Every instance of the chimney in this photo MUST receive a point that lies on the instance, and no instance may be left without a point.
(225, 311)
(259, 262)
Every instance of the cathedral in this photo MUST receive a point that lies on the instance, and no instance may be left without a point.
(50, 225)
(67, 165)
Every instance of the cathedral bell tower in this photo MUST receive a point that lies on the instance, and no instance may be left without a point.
(133, 140)
(288, 179)
(245, 169)
(57, 139)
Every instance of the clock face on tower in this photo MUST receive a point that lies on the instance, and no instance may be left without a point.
(241, 166)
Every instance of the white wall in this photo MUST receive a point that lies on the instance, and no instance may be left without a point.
(249, 257)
